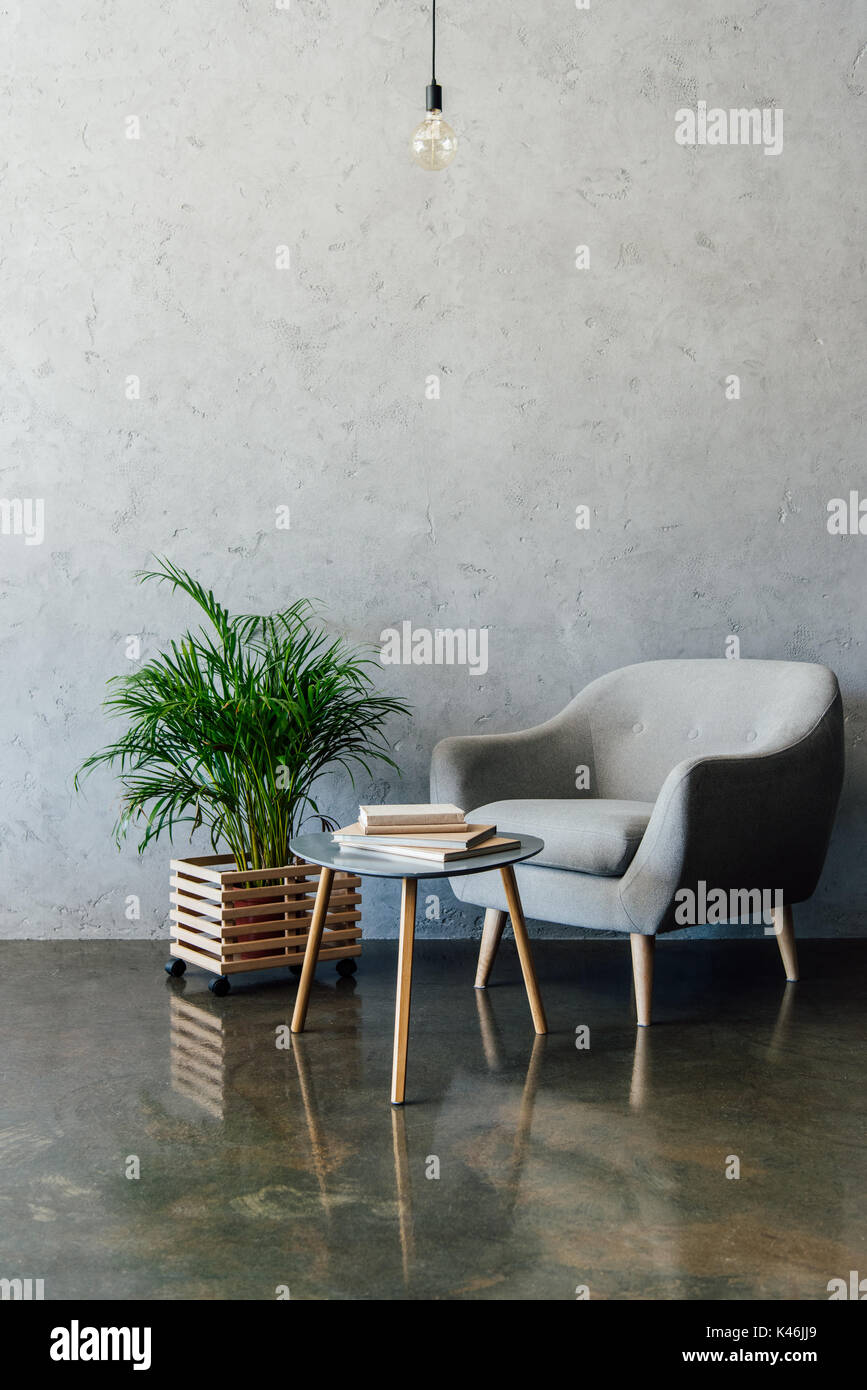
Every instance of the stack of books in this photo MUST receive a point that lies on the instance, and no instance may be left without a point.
(438, 834)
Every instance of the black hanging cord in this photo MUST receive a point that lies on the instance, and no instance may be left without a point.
(434, 91)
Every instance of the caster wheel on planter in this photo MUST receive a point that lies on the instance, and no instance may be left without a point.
(296, 971)
(219, 986)
(346, 967)
(175, 968)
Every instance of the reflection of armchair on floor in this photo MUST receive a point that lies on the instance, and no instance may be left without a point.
(655, 779)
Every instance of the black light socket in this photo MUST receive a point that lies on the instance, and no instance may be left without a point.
(434, 97)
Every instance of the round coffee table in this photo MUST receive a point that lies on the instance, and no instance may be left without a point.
(321, 849)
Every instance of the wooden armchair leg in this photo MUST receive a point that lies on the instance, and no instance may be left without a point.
(784, 927)
(642, 974)
(491, 934)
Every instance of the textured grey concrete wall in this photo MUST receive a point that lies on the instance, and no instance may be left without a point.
(155, 259)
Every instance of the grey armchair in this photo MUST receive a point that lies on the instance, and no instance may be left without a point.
(658, 778)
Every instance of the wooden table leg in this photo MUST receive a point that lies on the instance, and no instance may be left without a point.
(311, 954)
(404, 990)
(522, 940)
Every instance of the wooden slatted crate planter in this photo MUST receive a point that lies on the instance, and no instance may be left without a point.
(229, 921)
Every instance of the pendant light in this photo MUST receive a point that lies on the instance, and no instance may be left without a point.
(434, 144)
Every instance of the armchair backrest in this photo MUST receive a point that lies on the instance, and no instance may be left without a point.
(644, 719)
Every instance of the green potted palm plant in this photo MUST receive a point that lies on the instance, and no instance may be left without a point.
(227, 731)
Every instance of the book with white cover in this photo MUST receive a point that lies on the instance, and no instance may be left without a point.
(419, 814)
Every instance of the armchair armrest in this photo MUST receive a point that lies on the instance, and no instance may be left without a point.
(740, 822)
(539, 762)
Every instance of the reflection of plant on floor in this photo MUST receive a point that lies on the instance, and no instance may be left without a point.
(232, 725)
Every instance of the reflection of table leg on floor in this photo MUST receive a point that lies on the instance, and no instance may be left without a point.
(404, 1190)
(505, 1181)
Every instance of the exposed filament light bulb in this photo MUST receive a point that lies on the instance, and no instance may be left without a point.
(434, 143)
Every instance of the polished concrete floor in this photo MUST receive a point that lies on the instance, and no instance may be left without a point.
(558, 1167)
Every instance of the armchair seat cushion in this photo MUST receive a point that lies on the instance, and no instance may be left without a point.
(589, 835)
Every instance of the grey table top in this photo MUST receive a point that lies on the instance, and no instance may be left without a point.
(320, 849)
